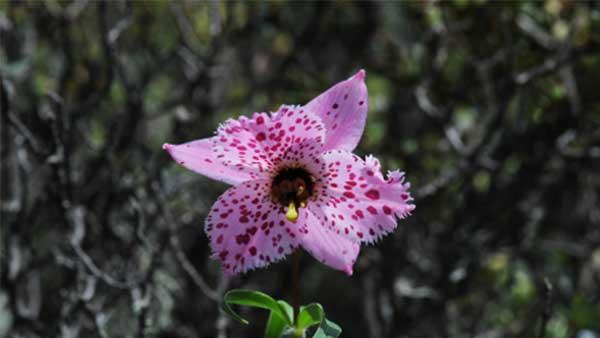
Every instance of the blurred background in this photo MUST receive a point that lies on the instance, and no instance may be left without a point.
(492, 109)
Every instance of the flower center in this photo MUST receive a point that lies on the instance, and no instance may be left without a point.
(292, 187)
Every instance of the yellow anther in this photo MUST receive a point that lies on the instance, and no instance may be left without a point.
(292, 213)
(302, 204)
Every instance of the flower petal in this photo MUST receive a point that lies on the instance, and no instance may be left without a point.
(356, 200)
(325, 245)
(247, 230)
(258, 144)
(198, 156)
(343, 110)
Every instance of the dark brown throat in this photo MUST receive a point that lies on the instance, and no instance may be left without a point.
(292, 185)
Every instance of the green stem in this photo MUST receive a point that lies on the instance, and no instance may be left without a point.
(296, 291)
(298, 333)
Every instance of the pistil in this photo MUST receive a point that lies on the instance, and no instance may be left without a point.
(292, 213)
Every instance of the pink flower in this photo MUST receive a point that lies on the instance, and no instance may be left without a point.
(297, 183)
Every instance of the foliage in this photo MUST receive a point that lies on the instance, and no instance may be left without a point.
(282, 321)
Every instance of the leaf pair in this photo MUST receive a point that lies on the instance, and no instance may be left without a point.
(281, 320)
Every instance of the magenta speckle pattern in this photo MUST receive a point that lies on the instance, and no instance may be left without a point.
(344, 201)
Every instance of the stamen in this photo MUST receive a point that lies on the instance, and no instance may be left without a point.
(292, 213)
(300, 190)
(292, 188)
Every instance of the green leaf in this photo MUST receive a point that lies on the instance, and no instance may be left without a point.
(309, 315)
(229, 311)
(276, 326)
(254, 299)
(288, 310)
(328, 329)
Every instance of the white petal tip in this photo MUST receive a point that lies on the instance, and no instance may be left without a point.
(349, 271)
(167, 146)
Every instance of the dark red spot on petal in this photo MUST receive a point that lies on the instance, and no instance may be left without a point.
(349, 194)
(242, 239)
(372, 194)
(223, 254)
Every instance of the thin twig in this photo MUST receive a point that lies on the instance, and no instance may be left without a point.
(174, 244)
(547, 310)
(76, 217)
